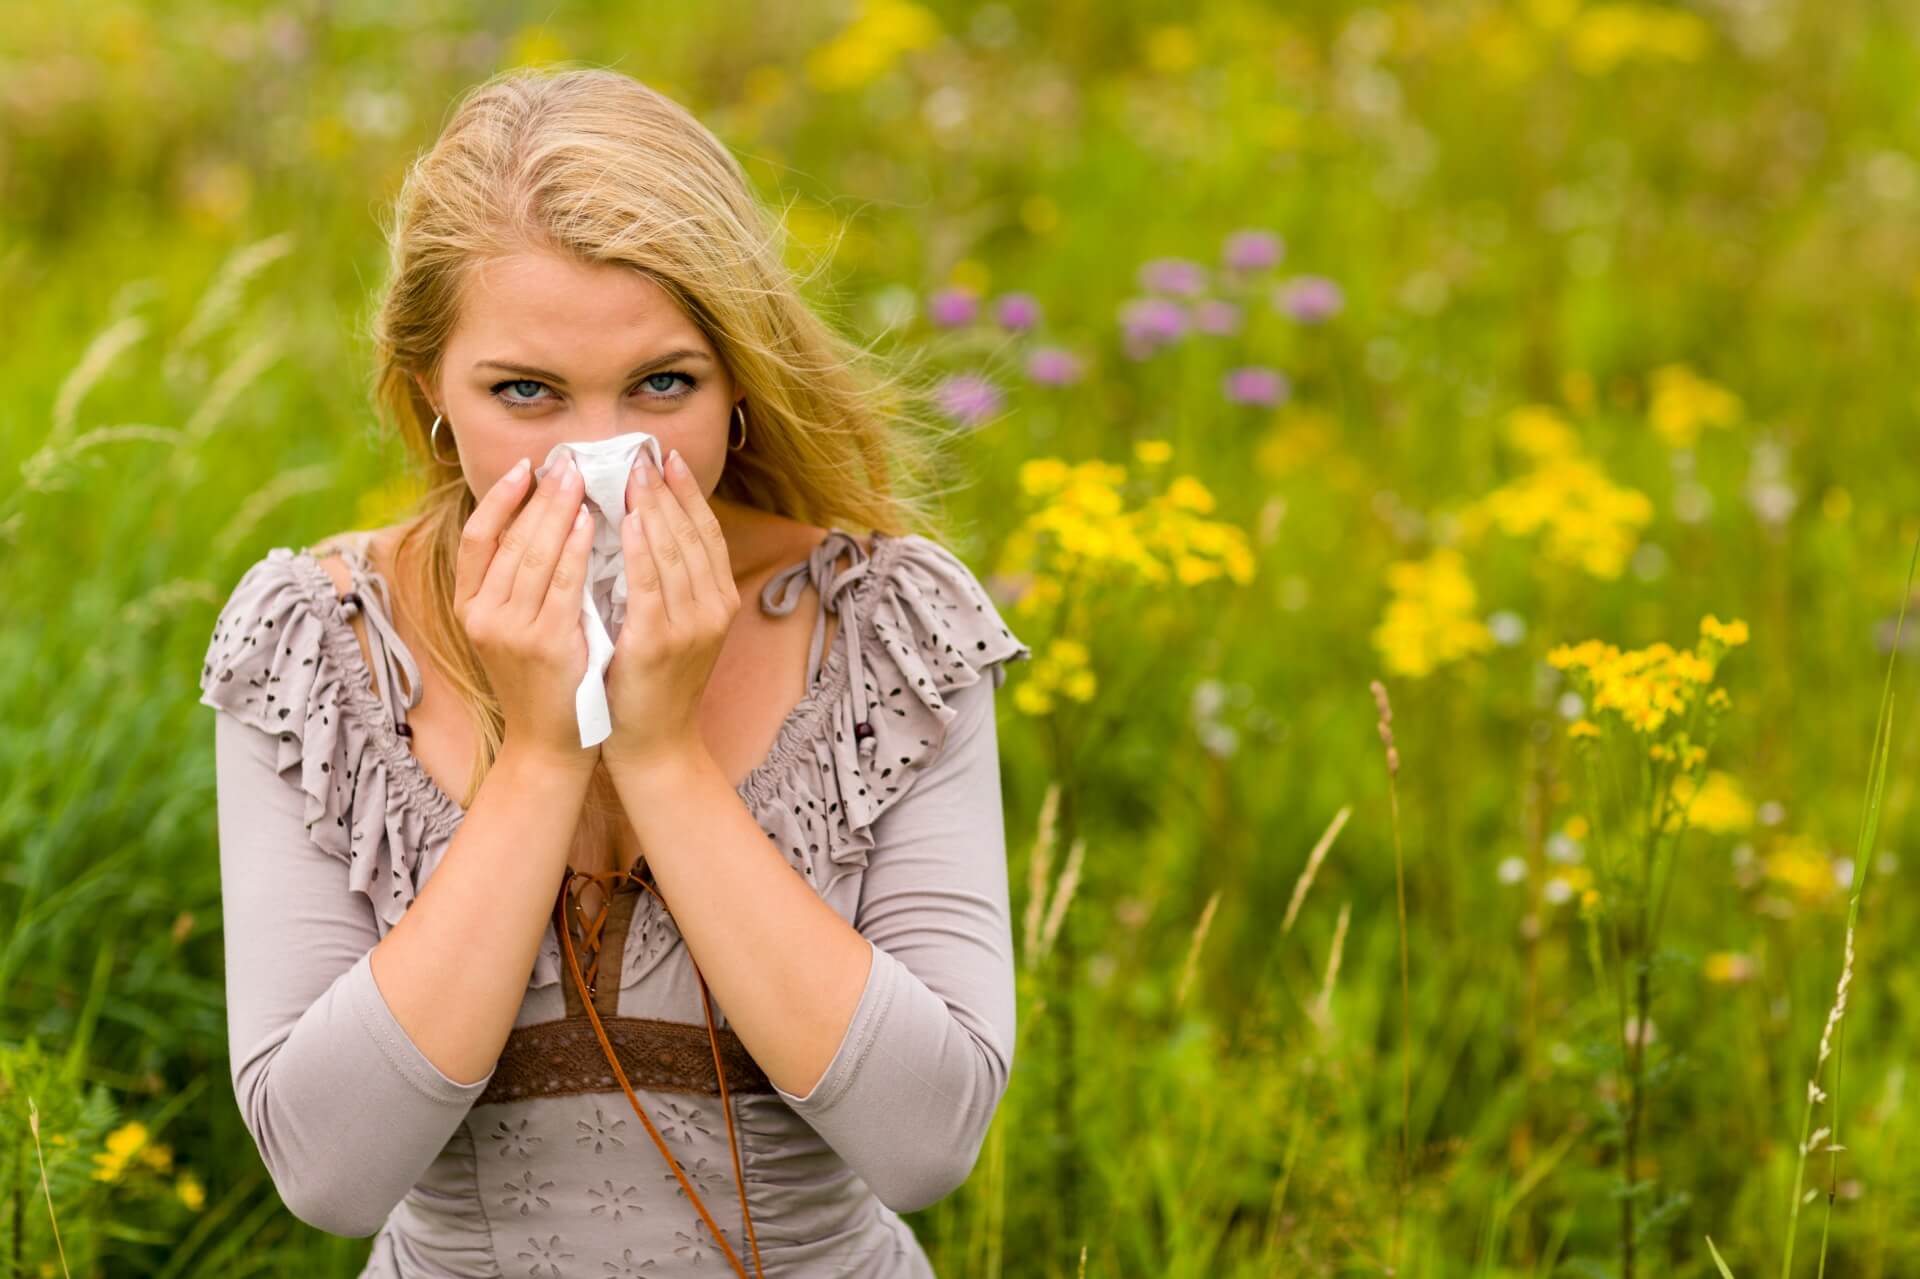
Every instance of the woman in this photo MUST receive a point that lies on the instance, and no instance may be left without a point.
(731, 989)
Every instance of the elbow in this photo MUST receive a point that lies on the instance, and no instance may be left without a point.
(318, 1187)
(930, 1171)
(339, 1206)
(928, 1178)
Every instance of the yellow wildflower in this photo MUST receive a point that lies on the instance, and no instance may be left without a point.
(1152, 452)
(122, 1144)
(1581, 518)
(1190, 494)
(1683, 403)
(868, 46)
(1732, 634)
(190, 1191)
(1718, 803)
(1430, 620)
(1729, 966)
(1801, 864)
(1062, 668)
(1583, 728)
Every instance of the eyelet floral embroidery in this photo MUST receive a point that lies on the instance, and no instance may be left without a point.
(546, 1257)
(704, 1179)
(627, 1267)
(697, 1245)
(514, 1139)
(525, 1193)
(600, 1133)
(609, 1200)
(678, 1123)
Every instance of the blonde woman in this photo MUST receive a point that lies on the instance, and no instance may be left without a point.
(732, 989)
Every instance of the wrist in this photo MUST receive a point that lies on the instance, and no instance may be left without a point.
(537, 766)
(665, 769)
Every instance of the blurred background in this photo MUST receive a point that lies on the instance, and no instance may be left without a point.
(1296, 348)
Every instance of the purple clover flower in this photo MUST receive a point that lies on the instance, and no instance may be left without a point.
(1181, 277)
(953, 308)
(1151, 323)
(1252, 250)
(1216, 316)
(1309, 298)
(1017, 312)
(968, 398)
(1256, 385)
(1054, 366)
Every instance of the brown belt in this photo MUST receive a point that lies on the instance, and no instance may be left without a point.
(560, 1058)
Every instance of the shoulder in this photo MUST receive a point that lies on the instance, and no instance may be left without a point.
(268, 613)
(928, 597)
(284, 658)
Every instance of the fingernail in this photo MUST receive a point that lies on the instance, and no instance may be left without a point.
(678, 463)
(580, 519)
(520, 468)
(648, 476)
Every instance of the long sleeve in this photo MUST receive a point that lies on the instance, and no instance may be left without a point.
(345, 1109)
(911, 1090)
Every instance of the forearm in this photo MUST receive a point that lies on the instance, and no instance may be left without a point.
(454, 969)
(746, 918)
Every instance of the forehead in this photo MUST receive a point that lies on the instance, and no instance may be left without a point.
(550, 304)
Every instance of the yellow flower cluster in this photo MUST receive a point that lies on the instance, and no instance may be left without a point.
(1716, 803)
(1602, 36)
(123, 1145)
(866, 47)
(1681, 402)
(132, 1143)
(1061, 669)
(1430, 621)
(1647, 688)
(1801, 865)
(1085, 530)
(1585, 520)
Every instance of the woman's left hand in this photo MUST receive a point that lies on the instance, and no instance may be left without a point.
(680, 604)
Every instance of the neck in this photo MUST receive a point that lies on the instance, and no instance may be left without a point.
(743, 528)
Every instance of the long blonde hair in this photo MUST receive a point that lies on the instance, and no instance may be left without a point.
(593, 163)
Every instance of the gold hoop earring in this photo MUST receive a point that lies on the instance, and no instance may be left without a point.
(740, 415)
(433, 441)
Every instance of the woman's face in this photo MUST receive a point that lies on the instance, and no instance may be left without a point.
(550, 349)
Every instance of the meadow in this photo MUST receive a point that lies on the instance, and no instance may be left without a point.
(1449, 459)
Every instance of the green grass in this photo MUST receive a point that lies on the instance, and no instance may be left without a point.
(188, 239)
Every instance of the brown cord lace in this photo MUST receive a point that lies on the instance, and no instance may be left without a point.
(610, 880)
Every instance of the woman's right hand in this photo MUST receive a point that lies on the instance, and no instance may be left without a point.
(517, 593)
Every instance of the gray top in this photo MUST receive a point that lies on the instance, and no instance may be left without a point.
(882, 790)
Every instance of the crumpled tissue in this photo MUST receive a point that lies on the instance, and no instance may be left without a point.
(604, 465)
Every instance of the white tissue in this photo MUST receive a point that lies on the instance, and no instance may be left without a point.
(604, 465)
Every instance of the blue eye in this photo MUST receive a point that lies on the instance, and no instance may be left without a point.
(519, 401)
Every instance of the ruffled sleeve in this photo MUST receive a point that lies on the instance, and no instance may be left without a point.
(915, 624)
(932, 629)
(283, 659)
(929, 1046)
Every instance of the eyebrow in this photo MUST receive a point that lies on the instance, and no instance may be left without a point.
(669, 357)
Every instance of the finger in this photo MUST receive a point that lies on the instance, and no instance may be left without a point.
(669, 559)
(544, 542)
(678, 503)
(497, 590)
(646, 606)
(480, 536)
(706, 527)
(563, 601)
